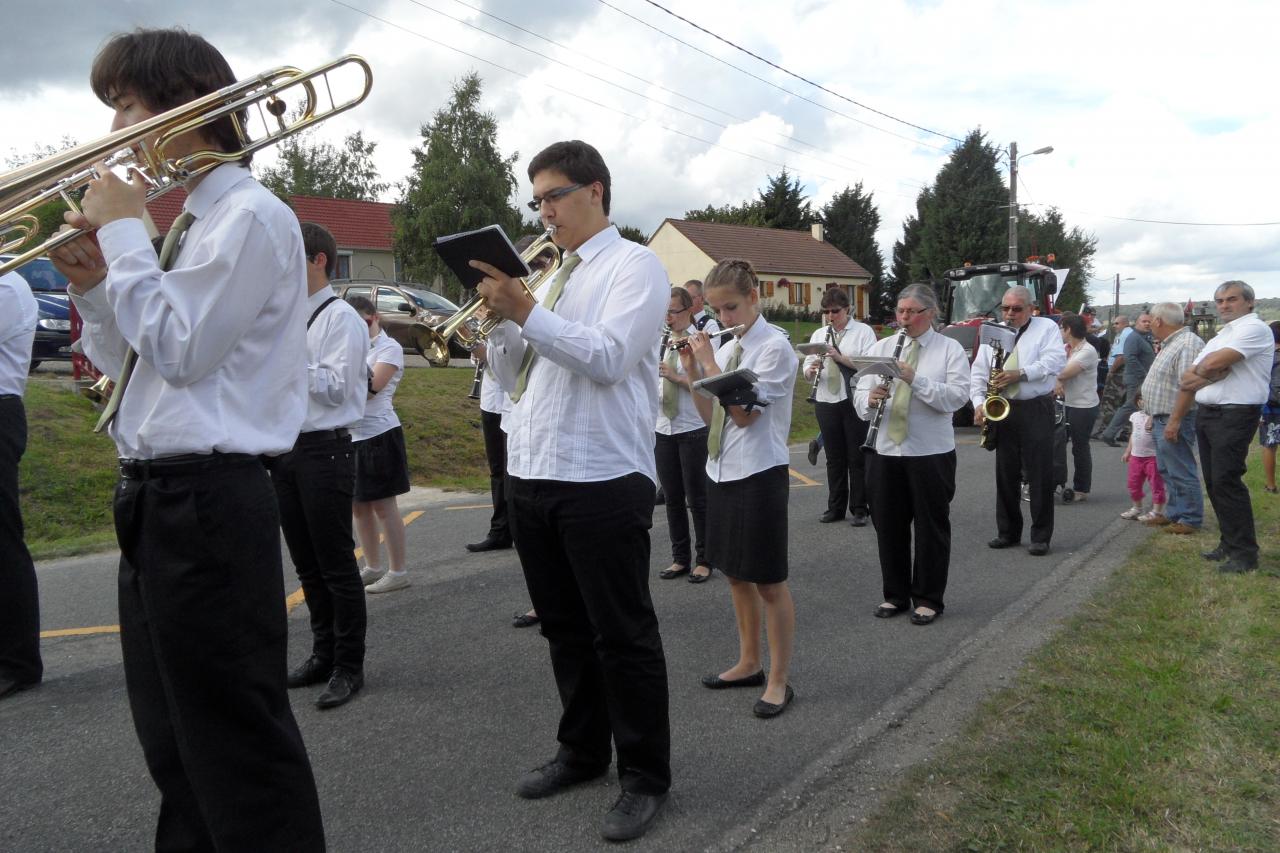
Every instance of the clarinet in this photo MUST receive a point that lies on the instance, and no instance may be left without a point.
(817, 375)
(873, 432)
(475, 383)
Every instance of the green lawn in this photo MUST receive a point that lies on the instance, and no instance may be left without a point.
(1150, 722)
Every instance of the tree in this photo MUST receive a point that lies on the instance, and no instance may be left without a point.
(965, 217)
(747, 213)
(851, 222)
(1072, 249)
(311, 168)
(782, 205)
(635, 235)
(460, 181)
(50, 213)
(900, 272)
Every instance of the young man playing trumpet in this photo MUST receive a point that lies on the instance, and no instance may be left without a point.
(219, 328)
(580, 364)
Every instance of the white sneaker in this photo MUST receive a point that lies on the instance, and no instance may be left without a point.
(389, 583)
(370, 575)
(1132, 512)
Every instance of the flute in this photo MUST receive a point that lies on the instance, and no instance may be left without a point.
(681, 343)
(874, 431)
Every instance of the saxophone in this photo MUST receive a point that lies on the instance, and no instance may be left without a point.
(995, 408)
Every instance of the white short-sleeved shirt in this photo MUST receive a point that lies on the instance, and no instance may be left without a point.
(762, 444)
(1081, 390)
(379, 414)
(856, 339)
(18, 315)
(1249, 382)
(1142, 441)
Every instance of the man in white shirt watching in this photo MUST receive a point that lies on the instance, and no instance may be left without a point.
(1231, 379)
(220, 380)
(1025, 438)
(579, 362)
(314, 482)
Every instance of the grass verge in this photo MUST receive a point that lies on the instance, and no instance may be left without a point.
(1150, 722)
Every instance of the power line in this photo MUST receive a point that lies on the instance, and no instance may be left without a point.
(787, 71)
(783, 89)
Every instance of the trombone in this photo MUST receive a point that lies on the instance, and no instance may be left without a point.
(435, 339)
(143, 148)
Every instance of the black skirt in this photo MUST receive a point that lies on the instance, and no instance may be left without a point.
(382, 466)
(747, 526)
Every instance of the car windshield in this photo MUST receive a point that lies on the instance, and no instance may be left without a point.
(429, 300)
(42, 277)
(980, 296)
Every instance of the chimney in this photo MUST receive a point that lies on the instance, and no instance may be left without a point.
(816, 230)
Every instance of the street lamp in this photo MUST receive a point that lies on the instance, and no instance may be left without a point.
(1115, 311)
(1013, 195)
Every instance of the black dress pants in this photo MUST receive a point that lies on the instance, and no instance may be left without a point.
(1224, 434)
(682, 473)
(495, 453)
(203, 635)
(1078, 428)
(842, 435)
(314, 483)
(584, 548)
(19, 595)
(1025, 444)
(913, 493)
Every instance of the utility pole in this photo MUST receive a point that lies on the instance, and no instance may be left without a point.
(1013, 202)
(1115, 311)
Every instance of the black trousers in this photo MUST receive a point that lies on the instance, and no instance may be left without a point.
(495, 453)
(584, 548)
(1025, 444)
(1224, 434)
(19, 595)
(314, 483)
(913, 493)
(203, 635)
(1078, 428)
(842, 435)
(682, 473)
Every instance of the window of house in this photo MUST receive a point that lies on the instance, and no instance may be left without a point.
(344, 265)
(766, 289)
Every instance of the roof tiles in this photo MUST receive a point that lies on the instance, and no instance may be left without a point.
(770, 250)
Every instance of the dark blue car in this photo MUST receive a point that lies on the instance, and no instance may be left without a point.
(53, 326)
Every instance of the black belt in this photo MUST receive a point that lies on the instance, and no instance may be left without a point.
(317, 436)
(1017, 402)
(1227, 407)
(182, 466)
(10, 396)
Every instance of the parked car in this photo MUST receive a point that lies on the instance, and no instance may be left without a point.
(405, 310)
(53, 325)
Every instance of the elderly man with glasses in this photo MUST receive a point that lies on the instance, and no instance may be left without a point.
(842, 430)
(1024, 439)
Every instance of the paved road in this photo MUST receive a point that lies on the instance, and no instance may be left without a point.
(458, 703)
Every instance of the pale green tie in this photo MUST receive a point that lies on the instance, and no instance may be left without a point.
(571, 260)
(833, 371)
(719, 414)
(168, 254)
(902, 399)
(670, 391)
(1011, 363)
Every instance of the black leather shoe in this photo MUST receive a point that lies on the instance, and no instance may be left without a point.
(552, 778)
(859, 518)
(1038, 549)
(1217, 555)
(883, 612)
(764, 710)
(10, 686)
(343, 687)
(631, 815)
(812, 455)
(310, 671)
(918, 618)
(525, 620)
(1001, 542)
(489, 544)
(715, 682)
(829, 516)
(1237, 566)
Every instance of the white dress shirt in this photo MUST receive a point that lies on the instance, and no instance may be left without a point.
(1041, 355)
(18, 316)
(762, 444)
(337, 378)
(1249, 382)
(687, 418)
(939, 389)
(856, 339)
(379, 414)
(1081, 390)
(221, 338)
(589, 407)
(492, 398)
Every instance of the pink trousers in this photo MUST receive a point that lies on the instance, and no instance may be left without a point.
(1143, 469)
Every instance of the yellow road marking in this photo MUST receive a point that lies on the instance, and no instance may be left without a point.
(804, 481)
(469, 506)
(290, 603)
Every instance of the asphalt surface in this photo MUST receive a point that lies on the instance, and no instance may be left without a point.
(458, 704)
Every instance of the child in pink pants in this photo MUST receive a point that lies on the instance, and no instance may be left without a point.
(1141, 456)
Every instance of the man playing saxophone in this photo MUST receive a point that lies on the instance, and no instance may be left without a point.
(218, 324)
(1024, 439)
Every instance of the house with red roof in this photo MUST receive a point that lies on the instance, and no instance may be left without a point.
(795, 267)
(362, 230)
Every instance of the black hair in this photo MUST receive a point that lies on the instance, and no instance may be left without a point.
(835, 296)
(1074, 324)
(577, 161)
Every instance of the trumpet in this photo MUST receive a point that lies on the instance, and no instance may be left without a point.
(143, 148)
(681, 343)
(435, 339)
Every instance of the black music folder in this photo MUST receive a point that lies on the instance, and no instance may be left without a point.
(489, 244)
(735, 388)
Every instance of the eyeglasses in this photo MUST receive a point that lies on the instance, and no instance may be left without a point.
(909, 312)
(831, 310)
(535, 204)
(1016, 309)
(673, 312)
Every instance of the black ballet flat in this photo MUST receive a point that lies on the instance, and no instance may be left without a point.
(765, 710)
(696, 578)
(715, 682)
(883, 612)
